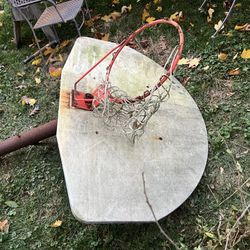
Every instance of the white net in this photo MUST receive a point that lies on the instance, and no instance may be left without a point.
(128, 114)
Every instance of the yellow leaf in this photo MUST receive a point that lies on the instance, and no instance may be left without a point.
(245, 54)
(4, 226)
(245, 27)
(105, 37)
(145, 14)
(28, 101)
(237, 5)
(32, 101)
(210, 235)
(115, 1)
(1, 12)
(115, 15)
(21, 74)
(159, 9)
(234, 72)
(126, 9)
(157, 1)
(222, 56)
(37, 61)
(1, 24)
(183, 61)
(55, 72)
(57, 223)
(150, 19)
(37, 80)
(210, 15)
(177, 16)
(229, 33)
(147, 6)
(219, 26)
(48, 51)
(64, 44)
(106, 18)
(193, 63)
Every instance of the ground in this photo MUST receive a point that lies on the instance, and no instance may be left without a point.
(32, 191)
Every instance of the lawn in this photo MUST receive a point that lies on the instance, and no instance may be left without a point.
(32, 191)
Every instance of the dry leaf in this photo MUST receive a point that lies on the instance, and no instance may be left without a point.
(157, 1)
(57, 223)
(37, 80)
(219, 26)
(4, 226)
(21, 74)
(237, 5)
(115, 15)
(245, 54)
(126, 9)
(48, 51)
(210, 15)
(106, 18)
(37, 61)
(147, 6)
(1, 24)
(89, 23)
(234, 72)
(55, 72)
(245, 27)
(64, 44)
(222, 56)
(235, 56)
(28, 101)
(105, 37)
(150, 19)
(183, 61)
(35, 110)
(193, 63)
(229, 33)
(145, 15)
(177, 16)
(115, 1)
(206, 67)
(159, 9)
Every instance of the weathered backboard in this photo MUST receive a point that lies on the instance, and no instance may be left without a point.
(102, 169)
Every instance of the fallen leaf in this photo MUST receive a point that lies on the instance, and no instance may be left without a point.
(126, 9)
(115, 1)
(4, 226)
(11, 204)
(234, 72)
(157, 1)
(237, 5)
(28, 101)
(183, 61)
(229, 33)
(38, 70)
(21, 74)
(48, 51)
(235, 56)
(147, 6)
(244, 27)
(177, 16)
(1, 24)
(222, 56)
(57, 223)
(145, 15)
(219, 26)
(64, 44)
(206, 67)
(35, 110)
(210, 235)
(159, 9)
(89, 23)
(37, 61)
(238, 167)
(37, 80)
(55, 72)
(1, 12)
(115, 15)
(106, 18)
(150, 19)
(210, 15)
(193, 63)
(245, 54)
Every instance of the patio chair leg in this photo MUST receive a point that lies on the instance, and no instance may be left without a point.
(77, 27)
(17, 33)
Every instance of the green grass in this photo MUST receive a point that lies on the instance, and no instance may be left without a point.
(33, 176)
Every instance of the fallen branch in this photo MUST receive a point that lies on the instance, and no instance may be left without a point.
(153, 213)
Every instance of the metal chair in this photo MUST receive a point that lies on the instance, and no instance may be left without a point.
(56, 13)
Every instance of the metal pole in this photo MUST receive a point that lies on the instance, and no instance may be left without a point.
(30, 137)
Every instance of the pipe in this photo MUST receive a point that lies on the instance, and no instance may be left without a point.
(30, 137)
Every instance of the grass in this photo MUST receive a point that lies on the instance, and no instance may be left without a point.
(33, 176)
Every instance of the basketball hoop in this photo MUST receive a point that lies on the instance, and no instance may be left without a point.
(116, 107)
